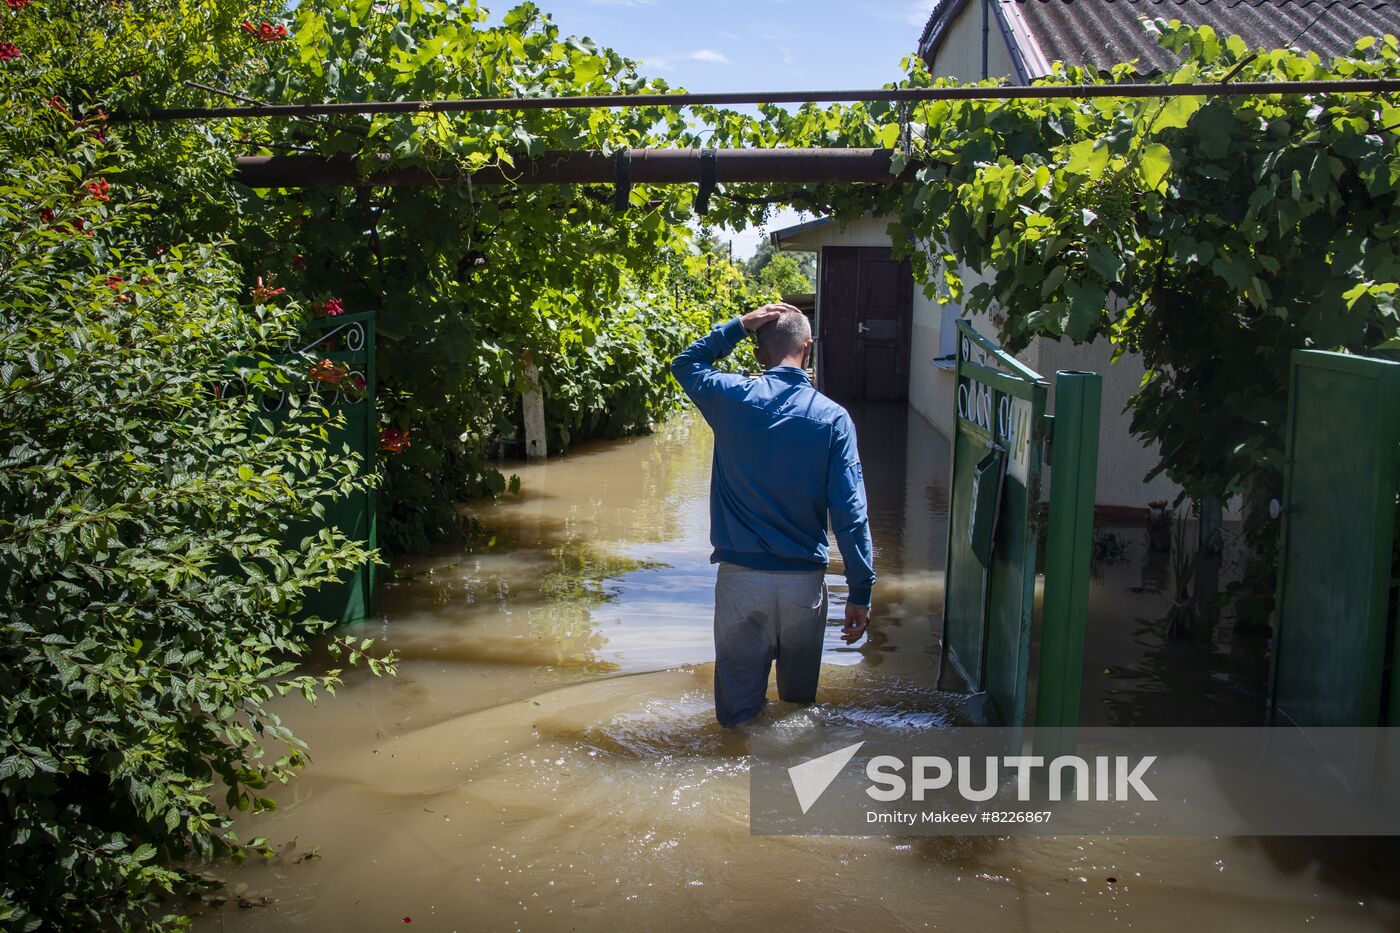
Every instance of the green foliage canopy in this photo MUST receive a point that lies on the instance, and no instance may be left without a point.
(806, 262)
(1210, 235)
(145, 517)
(148, 585)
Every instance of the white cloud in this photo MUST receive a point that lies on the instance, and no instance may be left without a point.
(789, 59)
(628, 3)
(709, 55)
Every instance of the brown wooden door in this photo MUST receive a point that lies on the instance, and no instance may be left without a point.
(866, 303)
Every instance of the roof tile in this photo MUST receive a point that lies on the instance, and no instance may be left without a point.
(1102, 33)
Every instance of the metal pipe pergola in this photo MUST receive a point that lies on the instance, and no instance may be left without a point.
(706, 167)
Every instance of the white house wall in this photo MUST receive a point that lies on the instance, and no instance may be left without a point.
(936, 391)
(1123, 460)
(930, 386)
(867, 231)
(960, 55)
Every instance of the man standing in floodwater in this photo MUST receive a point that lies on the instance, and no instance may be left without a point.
(785, 457)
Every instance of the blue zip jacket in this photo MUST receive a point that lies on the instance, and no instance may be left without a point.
(785, 456)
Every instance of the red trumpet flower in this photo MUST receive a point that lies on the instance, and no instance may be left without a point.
(262, 293)
(265, 32)
(393, 440)
(326, 371)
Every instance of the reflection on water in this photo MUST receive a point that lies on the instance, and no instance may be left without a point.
(548, 759)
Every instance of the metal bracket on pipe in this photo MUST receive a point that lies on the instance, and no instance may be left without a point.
(622, 170)
(708, 162)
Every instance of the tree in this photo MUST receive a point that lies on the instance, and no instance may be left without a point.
(806, 263)
(150, 577)
(782, 275)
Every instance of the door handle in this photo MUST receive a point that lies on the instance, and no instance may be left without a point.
(861, 328)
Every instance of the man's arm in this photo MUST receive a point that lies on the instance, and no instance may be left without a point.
(845, 486)
(695, 369)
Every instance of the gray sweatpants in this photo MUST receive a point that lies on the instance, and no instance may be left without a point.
(762, 616)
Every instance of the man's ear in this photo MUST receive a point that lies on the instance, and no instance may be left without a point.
(758, 355)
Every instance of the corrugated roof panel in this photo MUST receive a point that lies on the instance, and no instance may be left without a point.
(1102, 33)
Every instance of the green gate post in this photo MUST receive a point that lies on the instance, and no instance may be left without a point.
(1069, 545)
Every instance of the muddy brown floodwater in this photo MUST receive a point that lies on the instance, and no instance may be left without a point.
(547, 757)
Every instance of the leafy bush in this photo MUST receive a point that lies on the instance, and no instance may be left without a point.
(613, 378)
(147, 583)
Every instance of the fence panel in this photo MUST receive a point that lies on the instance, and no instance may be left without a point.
(1335, 608)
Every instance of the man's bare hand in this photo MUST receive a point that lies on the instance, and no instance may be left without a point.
(764, 315)
(857, 620)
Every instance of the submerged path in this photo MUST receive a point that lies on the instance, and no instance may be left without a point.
(547, 758)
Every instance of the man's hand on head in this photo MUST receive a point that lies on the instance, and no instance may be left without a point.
(857, 620)
(764, 315)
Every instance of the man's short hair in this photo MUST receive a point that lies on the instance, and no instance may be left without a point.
(784, 337)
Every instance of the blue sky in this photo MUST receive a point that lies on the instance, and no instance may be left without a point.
(751, 45)
(725, 45)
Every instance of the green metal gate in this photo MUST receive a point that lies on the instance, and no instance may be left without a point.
(1334, 644)
(347, 343)
(995, 518)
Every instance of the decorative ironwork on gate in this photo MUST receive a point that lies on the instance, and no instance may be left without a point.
(344, 375)
(347, 343)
